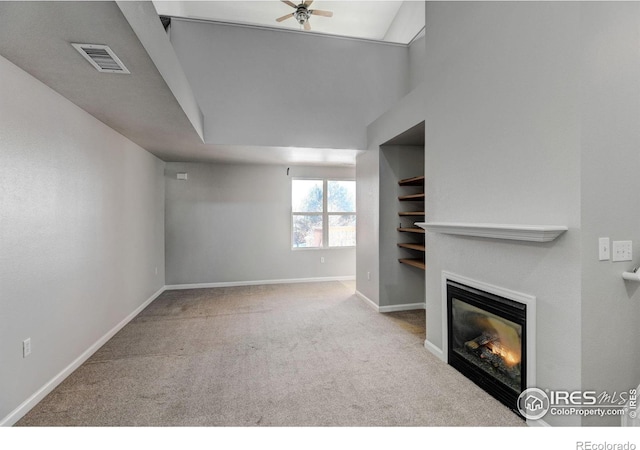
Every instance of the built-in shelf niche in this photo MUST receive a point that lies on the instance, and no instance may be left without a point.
(401, 263)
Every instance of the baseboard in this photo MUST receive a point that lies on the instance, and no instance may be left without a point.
(437, 351)
(41, 393)
(367, 300)
(405, 307)
(173, 287)
(390, 308)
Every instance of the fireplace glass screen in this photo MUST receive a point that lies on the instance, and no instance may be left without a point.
(491, 343)
(487, 340)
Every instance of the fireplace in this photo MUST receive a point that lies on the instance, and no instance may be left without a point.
(487, 340)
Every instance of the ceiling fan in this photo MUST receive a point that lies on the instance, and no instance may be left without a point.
(303, 13)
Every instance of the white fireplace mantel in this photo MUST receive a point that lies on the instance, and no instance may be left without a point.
(532, 233)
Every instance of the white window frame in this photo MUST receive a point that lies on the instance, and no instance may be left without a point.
(325, 214)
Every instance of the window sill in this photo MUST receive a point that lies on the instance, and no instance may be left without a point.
(304, 249)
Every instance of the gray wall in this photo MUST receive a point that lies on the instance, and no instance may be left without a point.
(368, 224)
(269, 88)
(81, 232)
(232, 223)
(610, 195)
(399, 284)
(503, 146)
(417, 53)
(402, 116)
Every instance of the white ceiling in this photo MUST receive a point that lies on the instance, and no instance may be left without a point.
(352, 18)
(139, 105)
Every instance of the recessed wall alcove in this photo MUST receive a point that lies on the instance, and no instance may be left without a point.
(402, 201)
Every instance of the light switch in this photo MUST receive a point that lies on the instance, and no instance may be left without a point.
(603, 249)
(622, 251)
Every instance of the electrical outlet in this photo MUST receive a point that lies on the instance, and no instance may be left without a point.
(26, 347)
(156, 271)
(622, 250)
(368, 275)
(322, 259)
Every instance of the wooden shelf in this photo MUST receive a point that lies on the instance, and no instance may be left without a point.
(414, 194)
(413, 262)
(411, 230)
(412, 198)
(418, 247)
(415, 181)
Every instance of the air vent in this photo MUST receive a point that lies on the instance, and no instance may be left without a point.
(101, 57)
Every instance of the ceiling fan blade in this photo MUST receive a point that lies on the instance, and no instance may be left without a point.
(308, 2)
(307, 26)
(318, 12)
(293, 5)
(280, 19)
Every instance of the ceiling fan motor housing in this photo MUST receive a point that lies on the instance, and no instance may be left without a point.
(301, 14)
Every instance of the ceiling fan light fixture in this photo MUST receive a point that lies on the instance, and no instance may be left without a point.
(301, 15)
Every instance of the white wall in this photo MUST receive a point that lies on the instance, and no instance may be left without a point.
(232, 223)
(81, 233)
(610, 184)
(503, 146)
(273, 88)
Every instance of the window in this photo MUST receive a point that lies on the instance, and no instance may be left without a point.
(323, 221)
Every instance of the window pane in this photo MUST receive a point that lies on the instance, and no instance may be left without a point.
(307, 231)
(306, 195)
(342, 196)
(342, 230)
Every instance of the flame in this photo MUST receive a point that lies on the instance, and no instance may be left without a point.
(508, 343)
(509, 357)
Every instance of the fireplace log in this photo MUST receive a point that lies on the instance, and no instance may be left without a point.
(481, 346)
(497, 361)
(481, 340)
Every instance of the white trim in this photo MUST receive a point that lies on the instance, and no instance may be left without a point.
(33, 400)
(527, 299)
(173, 287)
(403, 307)
(437, 351)
(390, 308)
(367, 300)
(420, 34)
(531, 233)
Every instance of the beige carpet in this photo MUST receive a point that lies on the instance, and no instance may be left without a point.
(275, 355)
